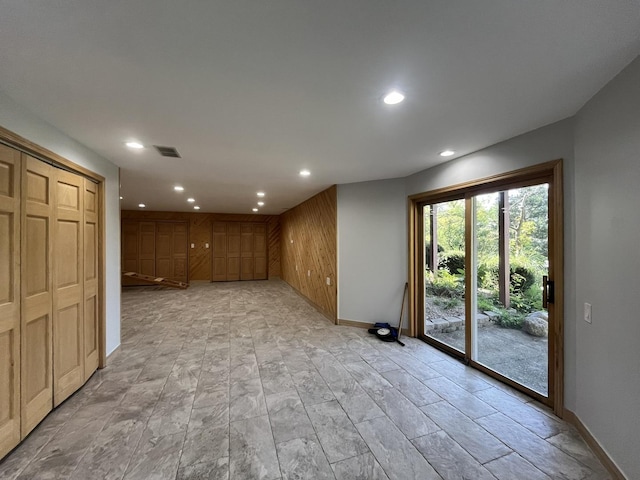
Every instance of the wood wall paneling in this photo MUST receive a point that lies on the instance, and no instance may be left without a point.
(9, 299)
(204, 263)
(309, 249)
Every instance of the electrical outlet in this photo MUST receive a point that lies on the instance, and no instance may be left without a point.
(587, 312)
(308, 273)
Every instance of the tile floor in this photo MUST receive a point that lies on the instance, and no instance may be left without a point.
(247, 381)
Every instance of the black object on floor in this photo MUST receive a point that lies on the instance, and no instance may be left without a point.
(386, 332)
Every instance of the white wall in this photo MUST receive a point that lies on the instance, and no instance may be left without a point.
(372, 246)
(21, 121)
(607, 152)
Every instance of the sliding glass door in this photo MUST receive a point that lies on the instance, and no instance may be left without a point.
(486, 258)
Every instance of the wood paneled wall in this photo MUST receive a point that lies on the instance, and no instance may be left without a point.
(309, 249)
(200, 234)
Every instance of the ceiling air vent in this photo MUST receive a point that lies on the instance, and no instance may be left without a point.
(167, 151)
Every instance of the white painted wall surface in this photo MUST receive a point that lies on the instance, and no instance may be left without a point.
(372, 250)
(607, 152)
(21, 121)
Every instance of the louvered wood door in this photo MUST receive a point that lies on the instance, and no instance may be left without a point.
(259, 252)
(36, 336)
(219, 265)
(91, 284)
(246, 252)
(9, 299)
(68, 283)
(233, 251)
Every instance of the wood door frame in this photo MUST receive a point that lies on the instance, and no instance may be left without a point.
(21, 144)
(550, 172)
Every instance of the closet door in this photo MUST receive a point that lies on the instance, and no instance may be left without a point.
(68, 280)
(91, 303)
(9, 299)
(246, 252)
(219, 252)
(36, 293)
(259, 252)
(233, 251)
(179, 252)
(147, 248)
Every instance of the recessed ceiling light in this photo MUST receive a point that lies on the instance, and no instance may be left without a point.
(196, 207)
(260, 204)
(141, 205)
(447, 153)
(393, 97)
(305, 173)
(254, 209)
(178, 188)
(260, 194)
(191, 200)
(133, 144)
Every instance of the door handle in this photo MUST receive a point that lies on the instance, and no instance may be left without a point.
(548, 291)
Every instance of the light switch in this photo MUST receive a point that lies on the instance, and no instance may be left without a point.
(193, 245)
(587, 312)
(328, 280)
(308, 273)
(206, 245)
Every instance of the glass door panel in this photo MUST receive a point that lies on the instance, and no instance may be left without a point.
(444, 275)
(510, 257)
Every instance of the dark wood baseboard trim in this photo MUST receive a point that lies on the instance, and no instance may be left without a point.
(594, 445)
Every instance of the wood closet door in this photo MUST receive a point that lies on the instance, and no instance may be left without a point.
(171, 250)
(36, 293)
(259, 252)
(9, 299)
(233, 251)
(219, 252)
(147, 248)
(246, 252)
(68, 282)
(91, 284)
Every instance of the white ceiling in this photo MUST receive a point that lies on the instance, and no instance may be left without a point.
(251, 92)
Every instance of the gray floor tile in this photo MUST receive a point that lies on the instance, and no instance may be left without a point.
(473, 438)
(397, 456)
(450, 460)
(411, 387)
(464, 401)
(288, 417)
(303, 458)
(192, 361)
(543, 455)
(338, 436)
(514, 466)
(362, 467)
(252, 450)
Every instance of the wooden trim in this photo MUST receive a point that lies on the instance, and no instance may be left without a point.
(469, 229)
(557, 262)
(16, 141)
(102, 272)
(520, 177)
(412, 277)
(594, 445)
